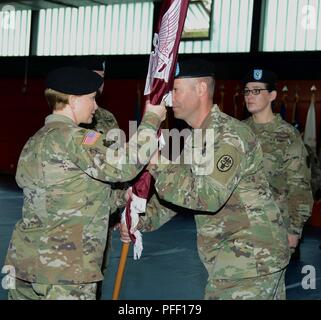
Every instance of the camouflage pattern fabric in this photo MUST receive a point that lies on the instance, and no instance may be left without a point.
(240, 230)
(63, 171)
(157, 214)
(268, 287)
(35, 291)
(287, 168)
(103, 121)
(315, 171)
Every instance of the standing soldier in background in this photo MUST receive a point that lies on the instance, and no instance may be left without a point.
(286, 161)
(103, 121)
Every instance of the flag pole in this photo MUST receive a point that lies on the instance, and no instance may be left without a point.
(120, 271)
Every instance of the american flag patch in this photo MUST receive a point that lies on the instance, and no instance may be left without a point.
(90, 138)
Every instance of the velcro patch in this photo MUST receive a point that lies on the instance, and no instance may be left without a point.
(226, 165)
(90, 138)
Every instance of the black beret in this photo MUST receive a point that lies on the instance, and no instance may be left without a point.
(75, 81)
(96, 63)
(263, 76)
(194, 68)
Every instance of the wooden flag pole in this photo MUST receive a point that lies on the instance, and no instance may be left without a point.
(121, 269)
(171, 11)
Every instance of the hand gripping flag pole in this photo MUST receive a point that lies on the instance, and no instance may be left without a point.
(159, 82)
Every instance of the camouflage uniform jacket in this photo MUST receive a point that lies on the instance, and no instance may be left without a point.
(63, 171)
(315, 171)
(287, 169)
(103, 121)
(240, 231)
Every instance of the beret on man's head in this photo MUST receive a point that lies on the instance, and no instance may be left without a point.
(75, 81)
(263, 76)
(194, 68)
(96, 63)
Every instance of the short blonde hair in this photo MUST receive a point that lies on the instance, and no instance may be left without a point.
(56, 100)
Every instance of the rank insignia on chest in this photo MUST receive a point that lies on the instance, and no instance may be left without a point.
(90, 138)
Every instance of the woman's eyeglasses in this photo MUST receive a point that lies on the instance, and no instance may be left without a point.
(255, 91)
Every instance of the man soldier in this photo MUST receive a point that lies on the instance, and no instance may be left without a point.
(240, 232)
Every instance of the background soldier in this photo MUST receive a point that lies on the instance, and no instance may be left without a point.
(286, 161)
(103, 120)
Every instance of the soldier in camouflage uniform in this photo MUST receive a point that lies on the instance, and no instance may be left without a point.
(103, 121)
(286, 161)
(57, 247)
(240, 232)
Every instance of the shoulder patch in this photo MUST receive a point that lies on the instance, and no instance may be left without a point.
(90, 138)
(225, 163)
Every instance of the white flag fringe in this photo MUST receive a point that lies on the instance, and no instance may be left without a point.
(138, 205)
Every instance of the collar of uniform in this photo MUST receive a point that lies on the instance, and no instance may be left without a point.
(58, 118)
(207, 121)
(269, 126)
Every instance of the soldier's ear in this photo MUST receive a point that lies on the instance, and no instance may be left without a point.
(72, 101)
(201, 88)
(273, 95)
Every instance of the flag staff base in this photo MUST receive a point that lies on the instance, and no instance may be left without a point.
(120, 271)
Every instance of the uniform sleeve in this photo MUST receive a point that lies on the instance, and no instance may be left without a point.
(300, 199)
(117, 199)
(114, 162)
(155, 216)
(105, 120)
(197, 187)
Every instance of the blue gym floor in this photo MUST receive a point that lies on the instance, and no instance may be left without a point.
(169, 268)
